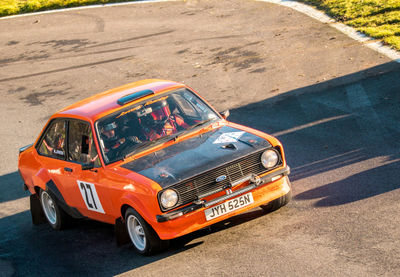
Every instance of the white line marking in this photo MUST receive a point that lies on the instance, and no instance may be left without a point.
(366, 117)
(349, 31)
(87, 7)
(304, 126)
(336, 157)
(357, 97)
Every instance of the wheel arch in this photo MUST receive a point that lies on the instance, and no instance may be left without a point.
(131, 201)
(124, 207)
(122, 235)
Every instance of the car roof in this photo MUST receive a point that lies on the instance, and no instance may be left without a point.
(104, 103)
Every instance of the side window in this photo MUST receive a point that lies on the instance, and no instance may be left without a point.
(192, 106)
(53, 142)
(81, 147)
(187, 108)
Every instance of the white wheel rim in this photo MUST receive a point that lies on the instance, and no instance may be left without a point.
(49, 208)
(136, 232)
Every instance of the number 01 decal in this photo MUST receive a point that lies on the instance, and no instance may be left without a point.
(89, 195)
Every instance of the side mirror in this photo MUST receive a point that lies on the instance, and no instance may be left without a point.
(88, 166)
(225, 114)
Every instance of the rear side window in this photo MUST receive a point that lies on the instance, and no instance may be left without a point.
(81, 147)
(53, 142)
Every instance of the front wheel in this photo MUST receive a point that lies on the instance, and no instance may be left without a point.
(143, 237)
(56, 217)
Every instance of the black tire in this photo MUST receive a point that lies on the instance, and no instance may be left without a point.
(278, 203)
(144, 239)
(56, 217)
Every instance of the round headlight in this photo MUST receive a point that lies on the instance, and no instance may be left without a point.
(169, 198)
(269, 158)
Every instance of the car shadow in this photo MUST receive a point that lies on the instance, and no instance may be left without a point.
(217, 227)
(87, 247)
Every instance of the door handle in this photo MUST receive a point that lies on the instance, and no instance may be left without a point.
(68, 169)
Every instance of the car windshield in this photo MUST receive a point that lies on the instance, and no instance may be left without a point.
(150, 122)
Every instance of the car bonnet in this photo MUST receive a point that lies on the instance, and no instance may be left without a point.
(196, 155)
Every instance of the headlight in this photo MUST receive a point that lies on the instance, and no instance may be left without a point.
(169, 198)
(269, 158)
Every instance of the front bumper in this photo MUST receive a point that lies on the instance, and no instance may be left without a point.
(254, 182)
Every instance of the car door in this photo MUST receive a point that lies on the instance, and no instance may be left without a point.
(52, 154)
(87, 187)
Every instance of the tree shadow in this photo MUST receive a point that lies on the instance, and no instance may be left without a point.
(11, 187)
(359, 186)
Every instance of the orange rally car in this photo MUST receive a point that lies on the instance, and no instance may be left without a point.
(153, 158)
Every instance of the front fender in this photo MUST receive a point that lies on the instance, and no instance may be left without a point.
(143, 205)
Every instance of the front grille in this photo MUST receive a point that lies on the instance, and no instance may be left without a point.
(205, 183)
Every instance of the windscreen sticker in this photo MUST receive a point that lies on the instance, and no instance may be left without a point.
(129, 111)
(155, 100)
(89, 195)
(229, 137)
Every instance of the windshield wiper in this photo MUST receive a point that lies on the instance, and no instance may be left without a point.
(190, 128)
(199, 124)
(143, 145)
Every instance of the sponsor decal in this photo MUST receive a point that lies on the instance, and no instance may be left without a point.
(229, 137)
(58, 152)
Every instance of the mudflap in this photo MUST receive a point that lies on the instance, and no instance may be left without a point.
(37, 213)
(121, 233)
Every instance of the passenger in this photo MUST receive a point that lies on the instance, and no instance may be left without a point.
(161, 122)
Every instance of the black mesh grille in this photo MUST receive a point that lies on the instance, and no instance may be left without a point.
(190, 189)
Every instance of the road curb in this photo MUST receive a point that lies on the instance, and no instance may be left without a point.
(367, 41)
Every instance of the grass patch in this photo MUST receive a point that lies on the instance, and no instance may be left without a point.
(376, 18)
(11, 7)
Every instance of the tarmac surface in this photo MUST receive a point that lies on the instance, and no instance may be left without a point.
(334, 104)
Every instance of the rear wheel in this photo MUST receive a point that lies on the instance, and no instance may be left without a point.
(56, 217)
(143, 237)
(279, 202)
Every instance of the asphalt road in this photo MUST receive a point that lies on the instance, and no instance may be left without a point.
(333, 103)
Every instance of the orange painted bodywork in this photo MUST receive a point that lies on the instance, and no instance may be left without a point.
(118, 187)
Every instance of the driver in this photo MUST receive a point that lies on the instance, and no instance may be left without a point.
(160, 122)
(112, 142)
(110, 139)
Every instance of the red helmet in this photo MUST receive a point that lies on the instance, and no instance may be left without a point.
(160, 110)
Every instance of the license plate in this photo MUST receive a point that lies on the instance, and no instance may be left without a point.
(229, 206)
